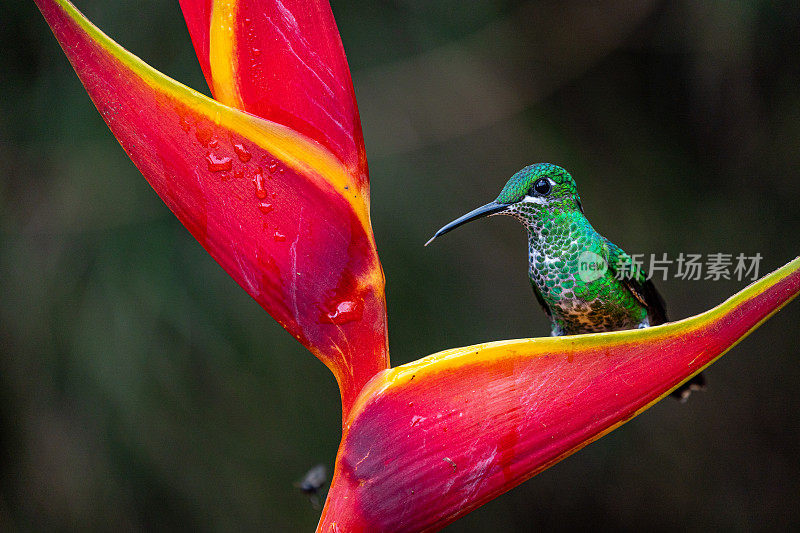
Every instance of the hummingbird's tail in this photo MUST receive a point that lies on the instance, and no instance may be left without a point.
(682, 393)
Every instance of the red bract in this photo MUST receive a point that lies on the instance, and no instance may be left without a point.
(282, 61)
(429, 441)
(272, 180)
(283, 215)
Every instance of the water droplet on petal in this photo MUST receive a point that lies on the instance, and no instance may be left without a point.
(213, 143)
(256, 52)
(186, 125)
(278, 236)
(272, 166)
(346, 311)
(265, 207)
(417, 419)
(218, 164)
(258, 180)
(241, 151)
(204, 132)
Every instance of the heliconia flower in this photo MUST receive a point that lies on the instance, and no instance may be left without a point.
(281, 204)
(271, 178)
(429, 441)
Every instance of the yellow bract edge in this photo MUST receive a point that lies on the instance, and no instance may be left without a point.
(495, 351)
(292, 148)
(222, 53)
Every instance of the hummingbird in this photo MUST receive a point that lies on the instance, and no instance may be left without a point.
(584, 282)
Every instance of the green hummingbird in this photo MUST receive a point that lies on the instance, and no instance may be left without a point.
(584, 282)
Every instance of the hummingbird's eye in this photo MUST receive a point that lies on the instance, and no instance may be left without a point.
(542, 187)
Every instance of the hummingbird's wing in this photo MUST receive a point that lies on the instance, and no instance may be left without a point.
(643, 289)
(634, 278)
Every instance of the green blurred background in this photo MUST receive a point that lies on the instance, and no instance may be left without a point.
(141, 388)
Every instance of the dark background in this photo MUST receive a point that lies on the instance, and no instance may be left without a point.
(140, 387)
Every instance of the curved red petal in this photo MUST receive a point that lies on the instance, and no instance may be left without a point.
(430, 441)
(281, 215)
(283, 61)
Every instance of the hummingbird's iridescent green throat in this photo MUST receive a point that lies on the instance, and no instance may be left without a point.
(584, 282)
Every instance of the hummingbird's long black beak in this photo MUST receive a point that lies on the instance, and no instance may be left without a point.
(485, 210)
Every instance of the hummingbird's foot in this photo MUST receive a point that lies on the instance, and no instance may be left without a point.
(697, 383)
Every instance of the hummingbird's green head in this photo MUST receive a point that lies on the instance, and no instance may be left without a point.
(543, 184)
(535, 192)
